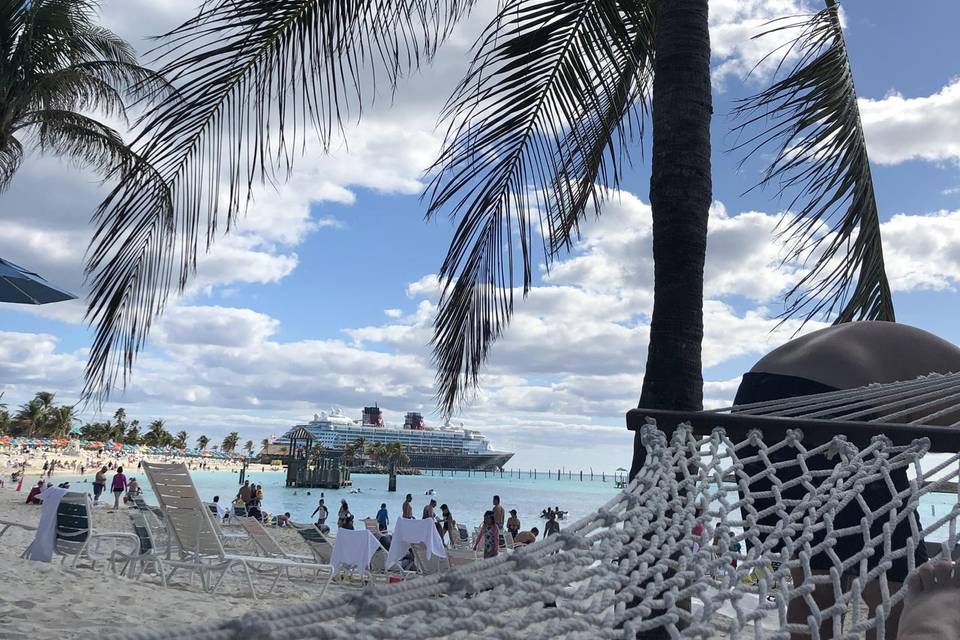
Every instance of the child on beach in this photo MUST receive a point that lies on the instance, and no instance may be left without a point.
(118, 485)
(489, 535)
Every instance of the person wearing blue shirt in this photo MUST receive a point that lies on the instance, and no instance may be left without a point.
(383, 519)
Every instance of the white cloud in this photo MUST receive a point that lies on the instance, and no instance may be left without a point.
(922, 252)
(922, 128)
(734, 23)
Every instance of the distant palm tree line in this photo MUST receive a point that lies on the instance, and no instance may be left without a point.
(387, 453)
(40, 417)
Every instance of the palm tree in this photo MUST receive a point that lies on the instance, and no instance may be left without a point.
(31, 416)
(557, 94)
(60, 421)
(349, 452)
(180, 442)
(230, 442)
(249, 447)
(132, 436)
(394, 454)
(264, 444)
(157, 436)
(202, 442)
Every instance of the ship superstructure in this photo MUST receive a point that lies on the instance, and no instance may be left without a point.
(444, 447)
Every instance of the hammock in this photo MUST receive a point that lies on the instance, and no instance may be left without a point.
(691, 547)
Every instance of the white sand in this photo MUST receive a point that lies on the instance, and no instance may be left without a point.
(41, 601)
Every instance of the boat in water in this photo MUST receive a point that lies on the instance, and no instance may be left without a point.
(444, 447)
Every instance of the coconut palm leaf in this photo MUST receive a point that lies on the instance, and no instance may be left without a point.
(254, 78)
(821, 156)
(539, 124)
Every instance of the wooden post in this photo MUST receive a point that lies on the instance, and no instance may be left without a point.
(581, 475)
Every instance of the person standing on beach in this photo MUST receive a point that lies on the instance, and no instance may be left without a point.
(552, 527)
(490, 537)
(448, 525)
(383, 518)
(498, 513)
(344, 518)
(407, 509)
(429, 512)
(99, 483)
(245, 491)
(321, 512)
(118, 485)
(513, 523)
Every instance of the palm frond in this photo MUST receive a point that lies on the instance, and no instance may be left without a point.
(811, 120)
(11, 155)
(80, 138)
(539, 125)
(253, 79)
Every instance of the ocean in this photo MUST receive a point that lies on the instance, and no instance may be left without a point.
(467, 496)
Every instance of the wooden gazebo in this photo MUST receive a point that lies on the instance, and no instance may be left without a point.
(307, 467)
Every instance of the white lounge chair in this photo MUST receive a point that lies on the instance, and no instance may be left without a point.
(199, 546)
(269, 546)
(77, 537)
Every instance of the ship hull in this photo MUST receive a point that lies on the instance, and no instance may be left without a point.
(491, 461)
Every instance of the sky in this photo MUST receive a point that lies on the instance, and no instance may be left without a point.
(324, 293)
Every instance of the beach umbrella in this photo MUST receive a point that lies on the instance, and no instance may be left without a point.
(25, 287)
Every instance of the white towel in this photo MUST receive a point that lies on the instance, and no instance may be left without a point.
(354, 548)
(41, 549)
(407, 532)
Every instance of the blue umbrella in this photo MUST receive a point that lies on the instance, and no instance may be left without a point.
(25, 287)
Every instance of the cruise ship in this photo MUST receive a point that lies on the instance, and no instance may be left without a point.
(444, 447)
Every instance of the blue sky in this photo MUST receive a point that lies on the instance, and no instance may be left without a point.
(323, 296)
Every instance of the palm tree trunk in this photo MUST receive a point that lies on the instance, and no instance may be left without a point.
(680, 196)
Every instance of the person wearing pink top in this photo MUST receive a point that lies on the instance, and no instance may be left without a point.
(118, 485)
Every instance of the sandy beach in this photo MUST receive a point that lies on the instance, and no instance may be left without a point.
(40, 601)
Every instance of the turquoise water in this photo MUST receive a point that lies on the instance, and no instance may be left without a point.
(467, 497)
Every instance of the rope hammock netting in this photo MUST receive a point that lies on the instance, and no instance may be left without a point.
(714, 538)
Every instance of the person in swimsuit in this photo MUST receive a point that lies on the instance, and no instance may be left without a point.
(406, 511)
(99, 484)
(513, 523)
(490, 537)
(498, 513)
(118, 485)
(448, 525)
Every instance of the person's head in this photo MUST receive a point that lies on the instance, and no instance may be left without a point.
(513, 512)
(216, 498)
(551, 516)
(343, 505)
(259, 487)
(246, 483)
(286, 514)
(321, 502)
(39, 483)
(496, 500)
(132, 480)
(444, 508)
(103, 468)
(535, 531)
(119, 469)
(383, 505)
(488, 518)
(409, 498)
(433, 503)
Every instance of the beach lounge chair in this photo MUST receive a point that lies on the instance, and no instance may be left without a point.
(430, 567)
(372, 526)
(319, 544)
(199, 546)
(77, 537)
(149, 551)
(269, 546)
